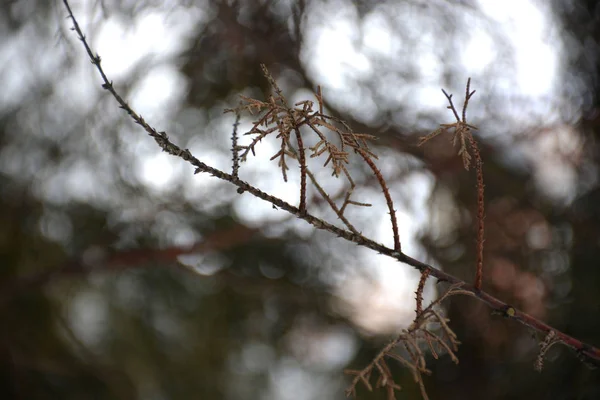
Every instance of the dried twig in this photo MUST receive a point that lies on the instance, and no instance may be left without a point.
(462, 135)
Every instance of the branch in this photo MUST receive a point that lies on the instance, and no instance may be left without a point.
(590, 353)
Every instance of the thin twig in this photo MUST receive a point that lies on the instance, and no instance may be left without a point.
(480, 213)
(234, 146)
(388, 197)
(419, 292)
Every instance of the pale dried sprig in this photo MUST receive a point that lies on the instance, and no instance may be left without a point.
(461, 130)
(276, 117)
(463, 137)
(414, 358)
(288, 119)
(275, 112)
(550, 340)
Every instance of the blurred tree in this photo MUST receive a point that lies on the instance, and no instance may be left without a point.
(96, 226)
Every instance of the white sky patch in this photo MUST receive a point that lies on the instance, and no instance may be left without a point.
(377, 37)
(156, 171)
(340, 53)
(80, 181)
(157, 91)
(336, 37)
(334, 59)
(122, 47)
(537, 67)
(478, 51)
(431, 98)
(528, 28)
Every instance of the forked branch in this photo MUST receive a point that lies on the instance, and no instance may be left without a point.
(463, 136)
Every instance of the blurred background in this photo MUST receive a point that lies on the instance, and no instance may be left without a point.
(125, 276)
